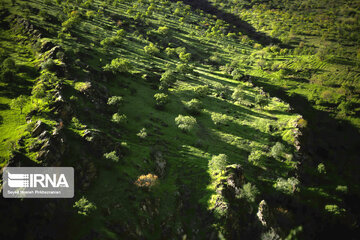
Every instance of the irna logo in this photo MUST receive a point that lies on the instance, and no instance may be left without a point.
(37, 180)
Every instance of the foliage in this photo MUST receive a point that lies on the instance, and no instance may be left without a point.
(116, 101)
(119, 118)
(118, 65)
(248, 192)
(161, 99)
(19, 102)
(84, 206)
(219, 119)
(201, 91)
(111, 156)
(287, 186)
(142, 134)
(193, 106)
(218, 162)
(334, 209)
(261, 100)
(147, 181)
(185, 123)
(151, 49)
(321, 168)
(277, 150)
(167, 79)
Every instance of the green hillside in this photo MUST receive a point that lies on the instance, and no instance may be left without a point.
(183, 120)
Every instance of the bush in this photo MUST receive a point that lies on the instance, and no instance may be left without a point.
(185, 57)
(19, 102)
(163, 30)
(111, 156)
(321, 168)
(287, 186)
(193, 106)
(147, 181)
(118, 65)
(185, 123)
(238, 95)
(48, 65)
(116, 101)
(219, 118)
(248, 192)
(84, 206)
(142, 134)
(261, 100)
(334, 209)
(9, 64)
(218, 163)
(170, 51)
(151, 49)
(277, 150)
(167, 79)
(119, 118)
(111, 41)
(201, 91)
(161, 99)
(184, 68)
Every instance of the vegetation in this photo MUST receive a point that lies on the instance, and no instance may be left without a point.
(140, 97)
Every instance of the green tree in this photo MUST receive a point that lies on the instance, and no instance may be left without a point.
(193, 106)
(119, 118)
(84, 206)
(115, 101)
(151, 49)
(185, 123)
(118, 65)
(218, 162)
(111, 156)
(19, 102)
(161, 99)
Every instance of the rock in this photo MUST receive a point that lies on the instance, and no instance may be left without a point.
(160, 163)
(45, 134)
(30, 115)
(53, 149)
(46, 46)
(235, 176)
(39, 128)
(267, 218)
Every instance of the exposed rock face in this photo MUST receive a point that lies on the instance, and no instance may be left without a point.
(38, 128)
(97, 94)
(61, 108)
(160, 163)
(52, 149)
(267, 219)
(235, 176)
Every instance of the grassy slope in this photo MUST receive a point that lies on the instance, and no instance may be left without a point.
(118, 201)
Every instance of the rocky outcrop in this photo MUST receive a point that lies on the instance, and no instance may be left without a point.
(97, 94)
(53, 148)
(267, 220)
(38, 128)
(160, 163)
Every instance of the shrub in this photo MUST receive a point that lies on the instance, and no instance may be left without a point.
(142, 134)
(82, 86)
(287, 186)
(48, 65)
(116, 101)
(185, 57)
(9, 64)
(84, 206)
(163, 30)
(147, 181)
(261, 100)
(221, 90)
(219, 118)
(170, 51)
(119, 118)
(277, 150)
(302, 123)
(111, 41)
(118, 65)
(184, 68)
(321, 168)
(334, 209)
(248, 192)
(256, 156)
(238, 94)
(201, 91)
(167, 79)
(185, 123)
(193, 106)
(19, 102)
(161, 99)
(218, 162)
(111, 156)
(151, 49)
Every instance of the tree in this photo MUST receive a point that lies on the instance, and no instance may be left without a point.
(118, 65)
(185, 57)
(238, 94)
(277, 150)
(119, 118)
(201, 91)
(147, 181)
(193, 106)
(219, 118)
(261, 100)
(167, 79)
(115, 101)
(185, 123)
(151, 49)
(84, 206)
(161, 99)
(111, 156)
(19, 102)
(218, 162)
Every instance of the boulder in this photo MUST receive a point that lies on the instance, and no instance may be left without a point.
(38, 128)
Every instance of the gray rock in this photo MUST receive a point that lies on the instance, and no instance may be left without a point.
(38, 128)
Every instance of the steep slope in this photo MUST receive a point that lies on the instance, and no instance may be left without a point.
(155, 105)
